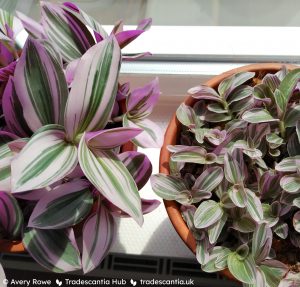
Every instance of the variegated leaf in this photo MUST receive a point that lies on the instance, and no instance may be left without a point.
(98, 235)
(244, 224)
(215, 230)
(69, 35)
(289, 164)
(272, 81)
(166, 186)
(40, 86)
(273, 271)
(202, 252)
(205, 93)
(209, 179)
(240, 93)
(292, 116)
(232, 170)
(152, 135)
(89, 106)
(6, 157)
(291, 183)
(139, 166)
(244, 270)
(111, 177)
(208, 213)
(218, 254)
(186, 115)
(254, 206)
(296, 221)
(238, 195)
(13, 111)
(281, 229)
(261, 242)
(293, 145)
(11, 216)
(258, 115)
(66, 205)
(56, 250)
(232, 82)
(45, 159)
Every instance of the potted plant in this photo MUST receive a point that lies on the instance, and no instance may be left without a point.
(66, 168)
(229, 174)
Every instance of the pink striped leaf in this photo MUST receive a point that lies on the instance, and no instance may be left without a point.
(89, 106)
(98, 236)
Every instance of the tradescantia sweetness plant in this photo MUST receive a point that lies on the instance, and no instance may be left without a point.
(63, 176)
(236, 174)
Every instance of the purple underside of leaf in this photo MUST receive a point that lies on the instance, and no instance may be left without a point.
(123, 91)
(13, 111)
(139, 166)
(72, 6)
(111, 138)
(144, 24)
(141, 101)
(98, 236)
(126, 37)
(89, 106)
(6, 137)
(7, 71)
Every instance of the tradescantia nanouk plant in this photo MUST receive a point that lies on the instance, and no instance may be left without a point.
(63, 176)
(236, 174)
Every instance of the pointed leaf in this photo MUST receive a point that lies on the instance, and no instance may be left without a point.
(261, 242)
(139, 166)
(40, 85)
(254, 206)
(110, 176)
(292, 116)
(126, 37)
(152, 135)
(208, 213)
(202, 252)
(233, 172)
(291, 164)
(66, 205)
(45, 159)
(11, 216)
(281, 229)
(216, 260)
(13, 111)
(291, 183)
(98, 234)
(90, 105)
(258, 115)
(215, 230)
(56, 250)
(273, 272)
(238, 195)
(166, 186)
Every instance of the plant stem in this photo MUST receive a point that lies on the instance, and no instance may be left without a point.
(282, 129)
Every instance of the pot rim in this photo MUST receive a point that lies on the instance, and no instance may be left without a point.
(171, 135)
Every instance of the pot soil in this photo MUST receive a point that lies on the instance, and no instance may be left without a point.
(171, 138)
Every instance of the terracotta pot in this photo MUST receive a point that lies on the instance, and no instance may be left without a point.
(8, 246)
(171, 138)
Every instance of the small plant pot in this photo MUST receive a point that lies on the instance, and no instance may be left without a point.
(171, 138)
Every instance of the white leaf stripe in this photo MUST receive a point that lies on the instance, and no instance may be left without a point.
(254, 206)
(209, 179)
(208, 213)
(215, 230)
(89, 106)
(45, 159)
(232, 169)
(53, 249)
(109, 175)
(258, 116)
(6, 157)
(166, 186)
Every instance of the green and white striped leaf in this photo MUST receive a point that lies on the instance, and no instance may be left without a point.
(244, 224)
(217, 255)
(273, 271)
(65, 206)
(167, 187)
(238, 195)
(289, 164)
(217, 108)
(208, 213)
(215, 230)
(202, 253)
(56, 250)
(281, 229)
(291, 183)
(243, 270)
(280, 101)
(232, 82)
(296, 221)
(258, 115)
(6, 157)
(232, 169)
(261, 242)
(240, 93)
(45, 159)
(292, 116)
(186, 115)
(222, 259)
(254, 206)
(288, 84)
(209, 179)
(112, 179)
(40, 86)
(89, 106)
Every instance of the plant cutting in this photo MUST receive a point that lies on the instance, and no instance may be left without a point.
(64, 172)
(230, 174)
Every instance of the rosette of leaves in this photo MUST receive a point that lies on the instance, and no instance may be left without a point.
(63, 176)
(236, 174)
